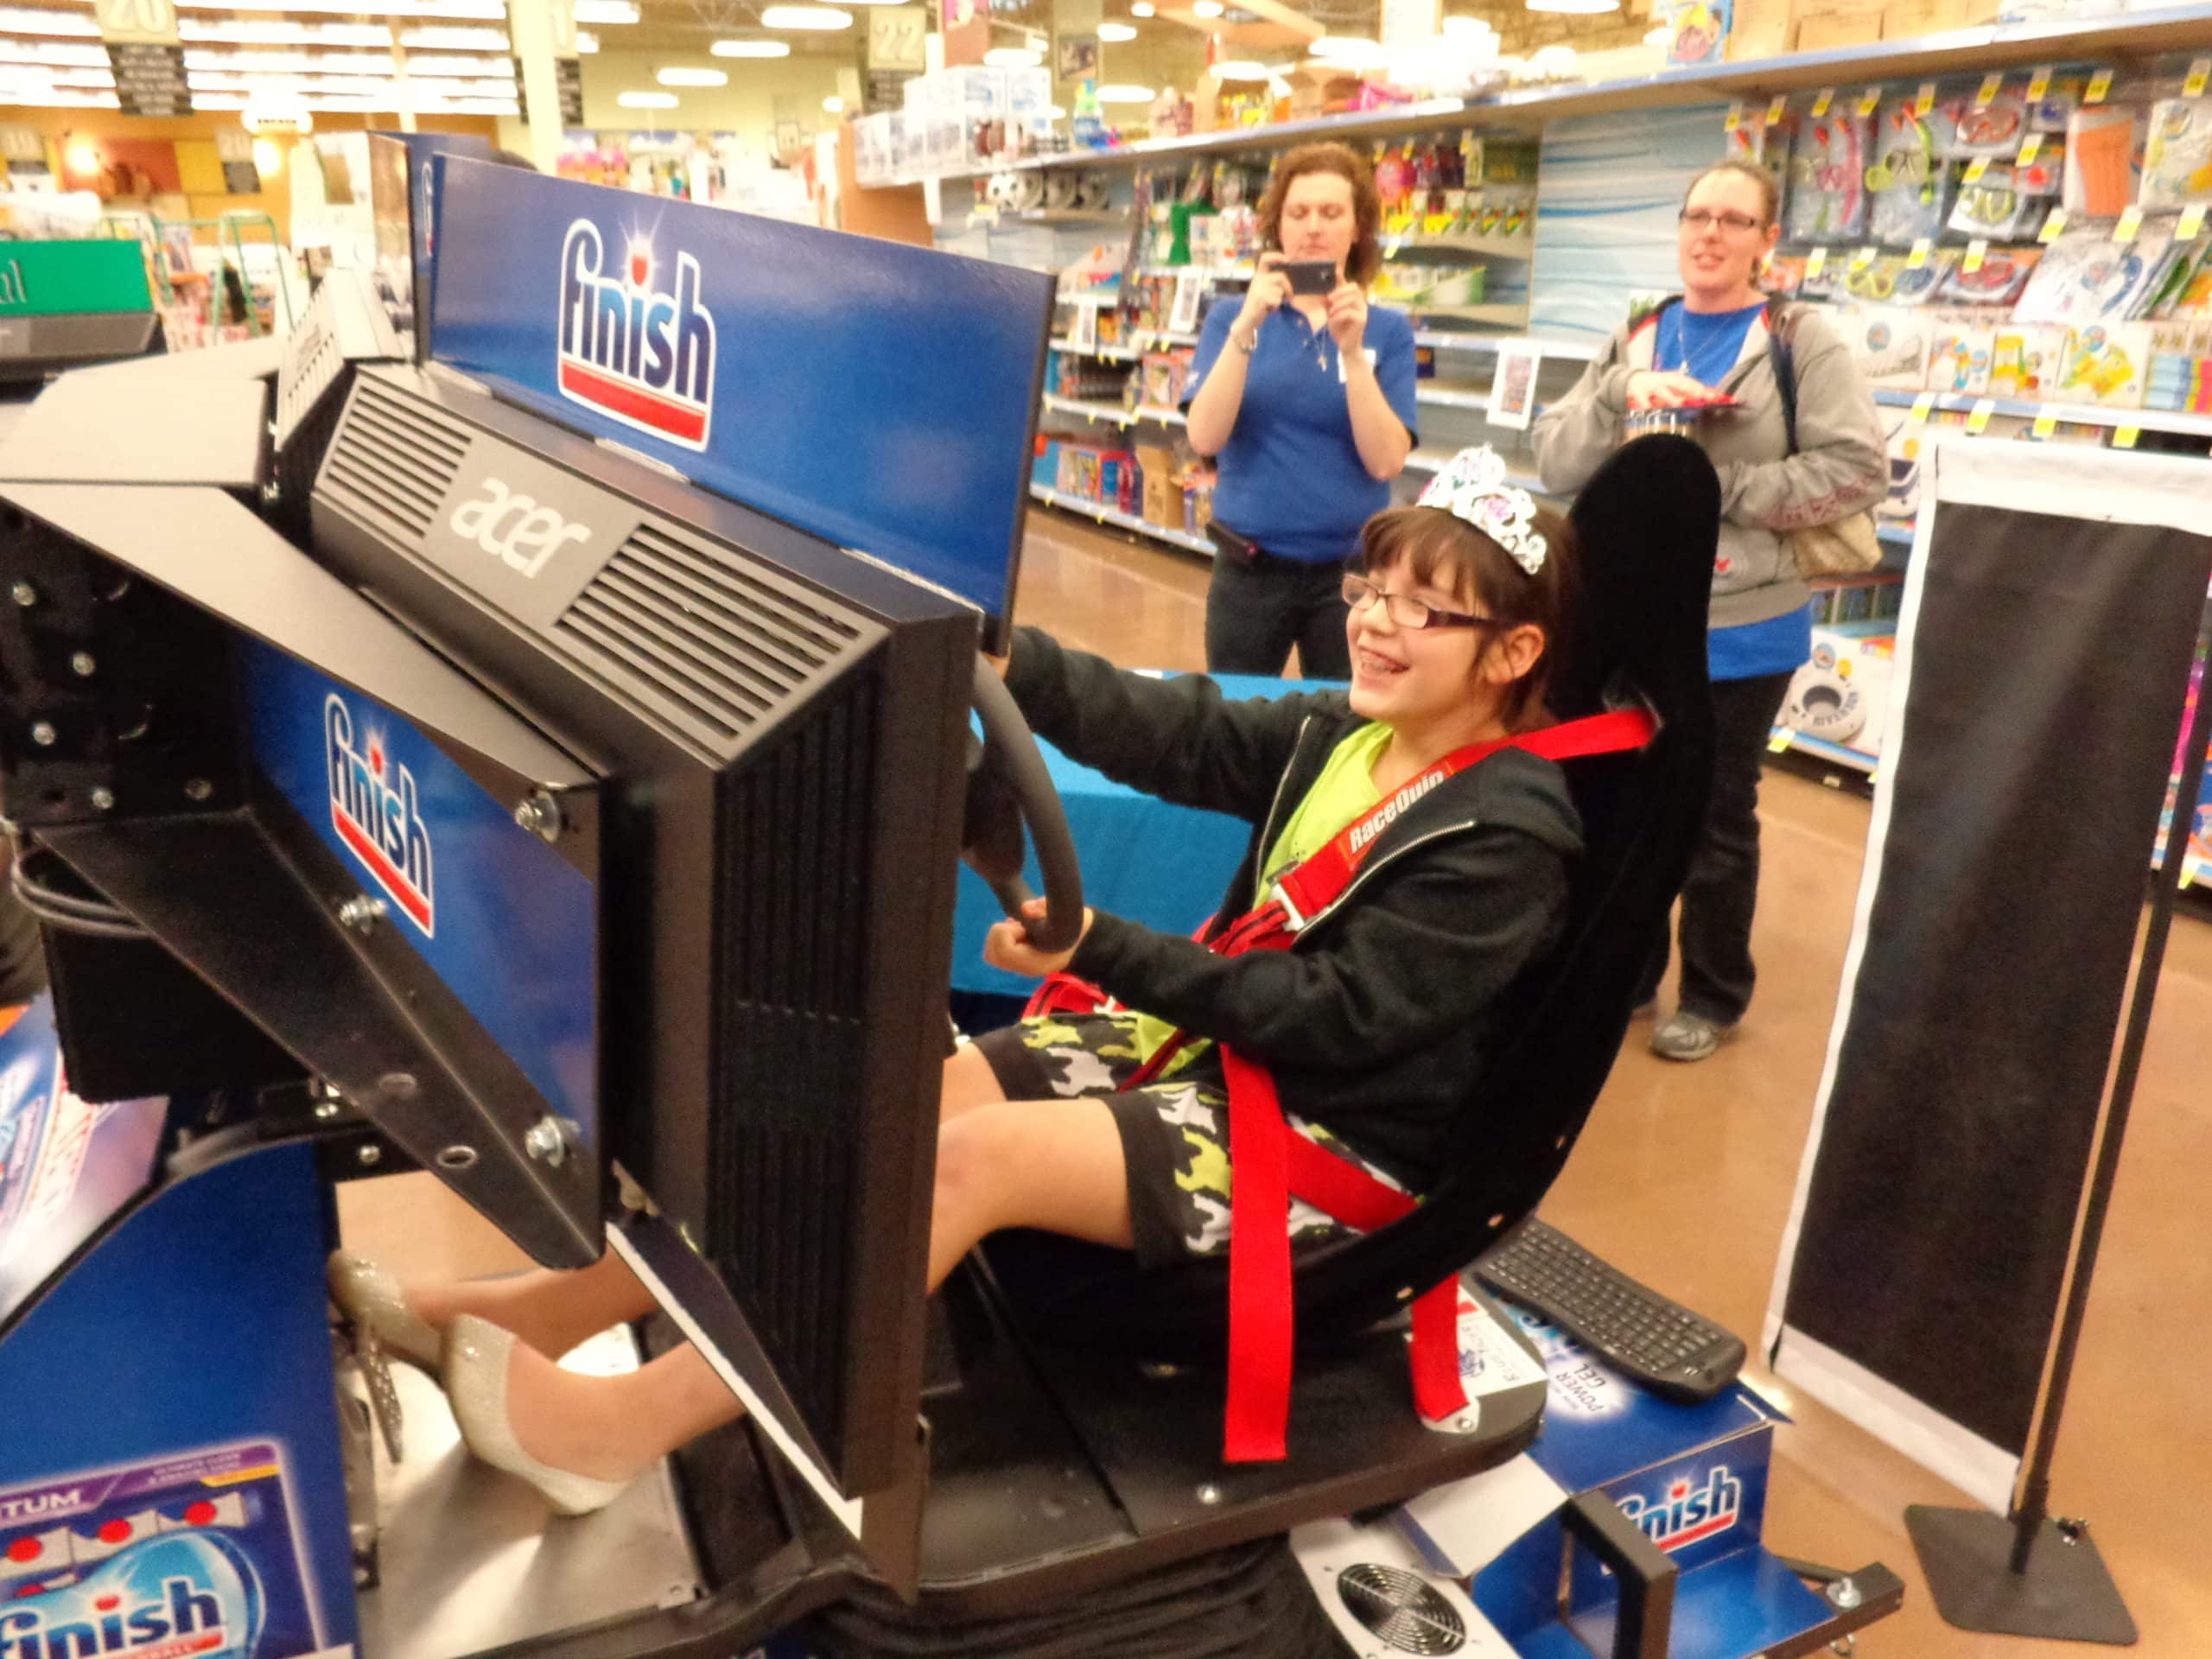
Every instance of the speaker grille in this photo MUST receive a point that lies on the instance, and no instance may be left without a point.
(395, 459)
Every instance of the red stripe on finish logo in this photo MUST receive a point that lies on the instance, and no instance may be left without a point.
(388, 875)
(678, 419)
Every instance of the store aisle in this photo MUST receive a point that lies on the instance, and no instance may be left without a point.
(1685, 1174)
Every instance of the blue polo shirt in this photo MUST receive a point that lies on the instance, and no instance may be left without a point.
(1291, 476)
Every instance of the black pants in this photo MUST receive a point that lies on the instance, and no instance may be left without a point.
(1256, 612)
(1723, 888)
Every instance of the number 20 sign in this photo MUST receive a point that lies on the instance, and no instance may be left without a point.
(137, 21)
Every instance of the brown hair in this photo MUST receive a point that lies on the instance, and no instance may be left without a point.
(1441, 548)
(1366, 255)
(1769, 186)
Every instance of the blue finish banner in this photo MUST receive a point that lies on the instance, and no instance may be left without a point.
(877, 395)
(502, 917)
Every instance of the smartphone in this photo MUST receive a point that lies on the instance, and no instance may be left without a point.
(1237, 549)
(1310, 276)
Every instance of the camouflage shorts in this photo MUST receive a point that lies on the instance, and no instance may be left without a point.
(1174, 1132)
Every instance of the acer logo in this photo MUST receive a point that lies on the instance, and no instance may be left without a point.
(514, 529)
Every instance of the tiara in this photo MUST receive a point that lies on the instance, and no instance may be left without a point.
(1472, 485)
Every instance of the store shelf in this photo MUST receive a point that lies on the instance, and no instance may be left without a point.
(1495, 247)
(1104, 353)
(1114, 413)
(1893, 535)
(2146, 420)
(1445, 340)
(1161, 337)
(1444, 397)
(1430, 461)
(1820, 749)
(1091, 296)
(1503, 317)
(1105, 515)
(1211, 273)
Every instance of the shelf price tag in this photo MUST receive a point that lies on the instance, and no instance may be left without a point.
(1776, 107)
(1815, 263)
(1870, 100)
(2192, 222)
(2039, 84)
(1977, 251)
(1864, 258)
(1924, 105)
(1918, 259)
(1923, 407)
(1735, 116)
(2200, 72)
(2053, 226)
(1976, 167)
(1821, 100)
(2046, 424)
(2100, 85)
(1978, 417)
(2125, 437)
(1992, 83)
(2130, 222)
(2031, 146)
(1780, 742)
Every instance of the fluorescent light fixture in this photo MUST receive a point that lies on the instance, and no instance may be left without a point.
(1579, 8)
(54, 98)
(587, 43)
(647, 101)
(34, 79)
(1013, 57)
(231, 31)
(449, 38)
(751, 48)
(1207, 8)
(1140, 7)
(1464, 28)
(369, 65)
(1350, 51)
(682, 77)
(833, 105)
(805, 17)
(1244, 69)
(1114, 34)
(1120, 92)
(464, 11)
(25, 20)
(60, 53)
(607, 11)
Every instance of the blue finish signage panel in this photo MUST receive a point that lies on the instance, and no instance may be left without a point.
(877, 395)
(501, 916)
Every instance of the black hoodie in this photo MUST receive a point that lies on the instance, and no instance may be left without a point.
(1380, 1018)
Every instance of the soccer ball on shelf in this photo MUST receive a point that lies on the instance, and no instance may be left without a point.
(1015, 192)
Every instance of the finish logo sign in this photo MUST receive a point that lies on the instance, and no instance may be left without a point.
(635, 351)
(1687, 1514)
(375, 808)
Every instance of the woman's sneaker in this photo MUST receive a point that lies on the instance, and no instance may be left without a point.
(1687, 1036)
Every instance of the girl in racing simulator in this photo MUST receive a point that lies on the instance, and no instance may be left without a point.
(1407, 868)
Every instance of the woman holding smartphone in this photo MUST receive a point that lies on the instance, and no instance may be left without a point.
(1304, 397)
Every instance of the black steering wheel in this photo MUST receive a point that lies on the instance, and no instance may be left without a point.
(1008, 787)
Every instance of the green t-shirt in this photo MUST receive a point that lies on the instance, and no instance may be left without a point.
(1344, 790)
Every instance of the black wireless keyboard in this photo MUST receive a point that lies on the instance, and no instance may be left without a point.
(1633, 1330)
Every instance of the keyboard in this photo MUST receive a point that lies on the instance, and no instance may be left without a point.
(1632, 1329)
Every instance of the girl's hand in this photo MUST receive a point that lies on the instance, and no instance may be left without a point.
(1006, 946)
(1269, 289)
(1348, 316)
(1651, 389)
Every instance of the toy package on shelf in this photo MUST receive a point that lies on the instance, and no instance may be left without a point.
(1893, 279)
(1993, 208)
(1999, 279)
(1161, 376)
(2045, 175)
(2105, 364)
(2179, 380)
(1890, 342)
(2025, 360)
(1958, 358)
(1964, 128)
(2101, 141)
(1908, 185)
(1826, 195)
(2086, 277)
(1841, 693)
(2177, 156)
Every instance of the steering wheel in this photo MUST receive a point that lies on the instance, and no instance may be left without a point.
(1008, 787)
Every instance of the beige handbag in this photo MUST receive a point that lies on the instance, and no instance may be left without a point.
(1847, 547)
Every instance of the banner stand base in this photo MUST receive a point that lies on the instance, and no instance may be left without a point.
(2066, 1594)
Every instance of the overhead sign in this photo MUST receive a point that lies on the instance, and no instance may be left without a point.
(877, 395)
(142, 22)
(145, 54)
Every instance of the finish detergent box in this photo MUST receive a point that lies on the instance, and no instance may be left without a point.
(190, 1557)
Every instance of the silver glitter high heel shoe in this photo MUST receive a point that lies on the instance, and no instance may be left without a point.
(476, 1356)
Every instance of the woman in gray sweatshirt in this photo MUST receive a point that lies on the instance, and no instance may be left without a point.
(1714, 339)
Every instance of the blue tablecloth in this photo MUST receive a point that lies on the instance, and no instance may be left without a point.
(1142, 859)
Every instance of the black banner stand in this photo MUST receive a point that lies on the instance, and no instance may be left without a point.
(2030, 1573)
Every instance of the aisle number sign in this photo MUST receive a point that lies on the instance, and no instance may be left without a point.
(137, 22)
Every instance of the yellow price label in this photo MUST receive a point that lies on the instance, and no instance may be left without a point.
(2045, 425)
(1918, 259)
(1776, 107)
(2100, 85)
(2192, 222)
(1912, 449)
(1870, 100)
(1780, 742)
(1815, 263)
(2039, 84)
(2031, 146)
(1924, 105)
(1991, 85)
(1976, 167)
(2130, 222)
(1977, 251)
(2053, 226)
(2126, 437)
(1864, 258)
(1735, 115)
(1821, 100)
(2200, 72)
(1978, 417)
(1923, 407)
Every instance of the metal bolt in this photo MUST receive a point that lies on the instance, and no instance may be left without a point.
(198, 789)
(398, 1085)
(1464, 1423)
(1157, 1370)
(327, 1110)
(103, 797)
(362, 913)
(371, 1156)
(269, 491)
(540, 813)
(23, 593)
(42, 734)
(82, 665)
(1210, 1495)
(456, 1158)
(1844, 1594)
(545, 1142)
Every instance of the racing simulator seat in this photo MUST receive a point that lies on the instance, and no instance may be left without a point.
(596, 852)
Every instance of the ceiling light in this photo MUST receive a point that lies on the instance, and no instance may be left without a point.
(1352, 51)
(465, 10)
(682, 77)
(1242, 69)
(55, 52)
(833, 105)
(805, 17)
(751, 48)
(1055, 113)
(1581, 8)
(1206, 8)
(1460, 28)
(1115, 33)
(1118, 93)
(607, 11)
(23, 19)
(47, 98)
(1013, 57)
(587, 43)
(236, 33)
(1141, 8)
(1658, 36)
(447, 38)
(647, 101)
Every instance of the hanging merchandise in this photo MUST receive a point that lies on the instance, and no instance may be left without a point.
(1959, 359)
(2048, 113)
(1993, 208)
(2177, 159)
(1891, 344)
(2186, 293)
(2172, 279)
(2179, 380)
(1997, 281)
(2101, 160)
(1827, 175)
(1907, 183)
(1893, 279)
(1965, 129)
(2105, 364)
(2024, 361)
(2043, 176)
(2086, 277)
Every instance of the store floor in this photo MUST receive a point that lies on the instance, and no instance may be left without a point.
(1685, 1174)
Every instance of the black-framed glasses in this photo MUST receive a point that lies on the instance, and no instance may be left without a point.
(1406, 611)
(1702, 220)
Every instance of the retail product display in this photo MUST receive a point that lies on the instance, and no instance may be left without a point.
(1827, 179)
(2178, 155)
(2101, 144)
